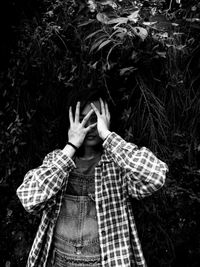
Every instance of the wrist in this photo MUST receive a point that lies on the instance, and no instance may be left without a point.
(69, 150)
(72, 145)
(75, 143)
(105, 134)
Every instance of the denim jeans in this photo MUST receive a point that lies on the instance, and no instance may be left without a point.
(62, 260)
(76, 241)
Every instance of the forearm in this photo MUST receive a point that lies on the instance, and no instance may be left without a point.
(42, 183)
(142, 164)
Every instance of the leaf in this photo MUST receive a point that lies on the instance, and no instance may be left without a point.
(86, 22)
(96, 44)
(104, 44)
(134, 16)
(16, 149)
(148, 23)
(192, 19)
(177, 155)
(109, 3)
(92, 34)
(118, 21)
(121, 35)
(175, 24)
(162, 35)
(194, 8)
(119, 30)
(141, 32)
(178, 33)
(180, 47)
(110, 51)
(102, 17)
(129, 133)
(124, 70)
(162, 54)
(134, 55)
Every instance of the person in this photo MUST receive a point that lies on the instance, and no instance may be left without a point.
(84, 192)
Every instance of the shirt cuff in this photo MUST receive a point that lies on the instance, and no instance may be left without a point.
(63, 162)
(109, 139)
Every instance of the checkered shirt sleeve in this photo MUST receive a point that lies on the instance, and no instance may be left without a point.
(143, 172)
(42, 183)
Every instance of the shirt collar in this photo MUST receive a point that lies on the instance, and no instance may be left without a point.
(105, 158)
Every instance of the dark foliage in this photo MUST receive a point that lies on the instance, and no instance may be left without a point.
(144, 55)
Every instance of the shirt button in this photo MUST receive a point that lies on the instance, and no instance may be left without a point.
(103, 233)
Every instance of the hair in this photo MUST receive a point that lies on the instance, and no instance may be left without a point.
(84, 96)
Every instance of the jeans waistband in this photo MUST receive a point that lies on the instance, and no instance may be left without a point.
(63, 259)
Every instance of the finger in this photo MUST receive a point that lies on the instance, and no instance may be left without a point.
(70, 115)
(107, 111)
(91, 127)
(85, 119)
(95, 109)
(102, 107)
(77, 114)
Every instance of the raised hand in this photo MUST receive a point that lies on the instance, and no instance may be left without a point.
(77, 130)
(103, 119)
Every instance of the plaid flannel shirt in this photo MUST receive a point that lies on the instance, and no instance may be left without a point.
(124, 171)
